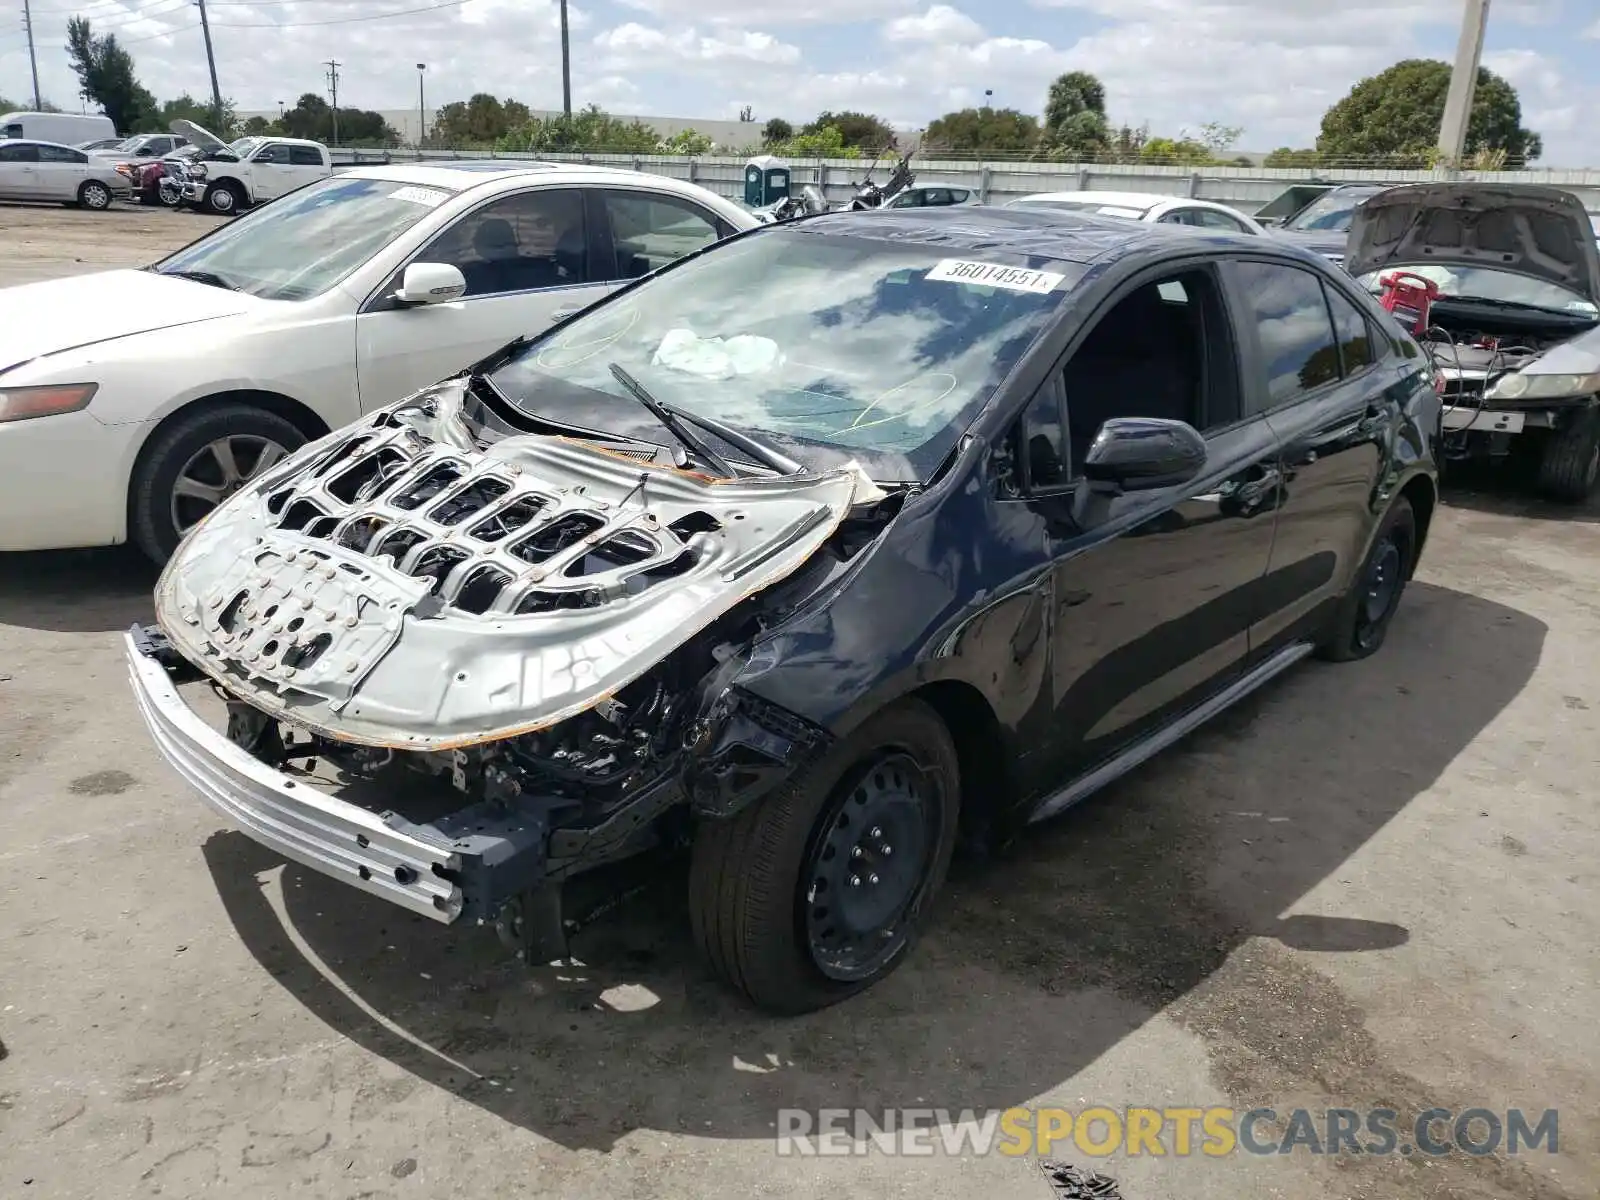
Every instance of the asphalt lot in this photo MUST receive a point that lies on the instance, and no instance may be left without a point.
(1370, 886)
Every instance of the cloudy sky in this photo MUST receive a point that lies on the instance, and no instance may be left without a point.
(1270, 66)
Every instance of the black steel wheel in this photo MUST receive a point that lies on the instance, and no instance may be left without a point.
(821, 888)
(868, 866)
(1369, 606)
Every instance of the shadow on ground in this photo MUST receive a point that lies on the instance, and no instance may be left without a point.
(76, 591)
(1510, 490)
(1037, 964)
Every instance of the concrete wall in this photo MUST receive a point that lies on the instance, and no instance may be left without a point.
(1245, 188)
(729, 135)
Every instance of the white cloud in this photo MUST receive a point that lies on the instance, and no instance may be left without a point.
(772, 12)
(635, 45)
(940, 23)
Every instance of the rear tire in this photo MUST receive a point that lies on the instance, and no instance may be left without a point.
(94, 195)
(223, 199)
(155, 505)
(1369, 606)
(1570, 465)
(771, 898)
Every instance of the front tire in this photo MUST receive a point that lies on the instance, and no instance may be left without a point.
(94, 195)
(197, 463)
(1570, 464)
(1368, 608)
(821, 889)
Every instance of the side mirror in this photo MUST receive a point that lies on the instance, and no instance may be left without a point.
(431, 283)
(1140, 454)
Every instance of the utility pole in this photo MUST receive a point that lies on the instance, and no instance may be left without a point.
(333, 87)
(422, 111)
(1463, 82)
(211, 61)
(33, 61)
(566, 65)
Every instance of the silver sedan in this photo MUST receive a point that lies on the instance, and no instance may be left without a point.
(48, 171)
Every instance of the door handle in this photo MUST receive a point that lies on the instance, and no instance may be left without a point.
(1253, 491)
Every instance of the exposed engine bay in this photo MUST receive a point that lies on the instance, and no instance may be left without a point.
(540, 630)
(1471, 357)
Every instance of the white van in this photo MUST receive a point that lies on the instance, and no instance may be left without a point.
(67, 129)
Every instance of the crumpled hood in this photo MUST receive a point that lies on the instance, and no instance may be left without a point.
(37, 319)
(1539, 232)
(396, 585)
(197, 135)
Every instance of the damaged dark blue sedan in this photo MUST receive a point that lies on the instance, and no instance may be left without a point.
(813, 551)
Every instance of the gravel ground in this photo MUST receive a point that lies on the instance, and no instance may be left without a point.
(1370, 886)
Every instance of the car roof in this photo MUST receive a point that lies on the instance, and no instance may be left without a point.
(1112, 199)
(462, 175)
(1070, 237)
(37, 142)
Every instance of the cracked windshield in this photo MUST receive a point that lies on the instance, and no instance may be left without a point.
(880, 351)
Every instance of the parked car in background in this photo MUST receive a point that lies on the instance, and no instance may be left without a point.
(66, 129)
(47, 171)
(132, 402)
(1323, 226)
(933, 197)
(813, 549)
(1515, 329)
(99, 144)
(144, 146)
(229, 176)
(1146, 206)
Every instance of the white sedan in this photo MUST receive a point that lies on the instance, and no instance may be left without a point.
(133, 402)
(1149, 206)
(46, 171)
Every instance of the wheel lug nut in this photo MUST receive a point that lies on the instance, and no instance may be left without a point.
(876, 832)
(855, 881)
(886, 850)
(855, 852)
(872, 879)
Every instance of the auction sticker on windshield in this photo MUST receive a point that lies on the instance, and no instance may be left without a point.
(430, 197)
(1016, 279)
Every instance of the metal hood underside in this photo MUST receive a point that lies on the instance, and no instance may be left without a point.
(396, 585)
(198, 135)
(1542, 233)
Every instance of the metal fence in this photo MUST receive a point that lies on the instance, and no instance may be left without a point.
(1244, 188)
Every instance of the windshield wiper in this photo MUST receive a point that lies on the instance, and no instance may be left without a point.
(209, 278)
(767, 455)
(1488, 302)
(672, 420)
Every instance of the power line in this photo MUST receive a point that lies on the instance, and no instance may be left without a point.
(405, 12)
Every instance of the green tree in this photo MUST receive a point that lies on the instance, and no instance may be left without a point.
(775, 131)
(861, 130)
(1285, 156)
(258, 127)
(827, 142)
(1396, 114)
(312, 117)
(1176, 152)
(106, 77)
(478, 122)
(687, 141)
(1003, 130)
(588, 129)
(1075, 126)
(202, 113)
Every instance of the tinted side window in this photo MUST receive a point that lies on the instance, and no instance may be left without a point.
(1355, 340)
(649, 232)
(1298, 350)
(272, 154)
(1212, 219)
(517, 243)
(59, 154)
(19, 154)
(304, 156)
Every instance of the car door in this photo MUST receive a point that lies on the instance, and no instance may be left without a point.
(269, 172)
(642, 231)
(305, 166)
(61, 171)
(19, 171)
(1313, 375)
(526, 257)
(1153, 592)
